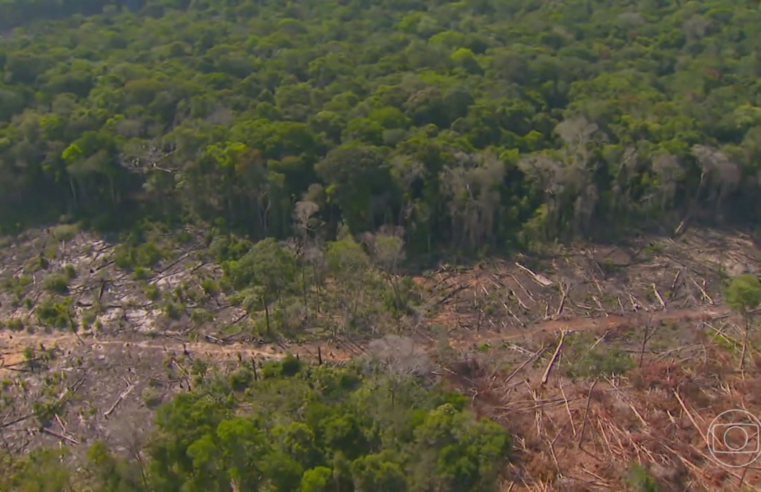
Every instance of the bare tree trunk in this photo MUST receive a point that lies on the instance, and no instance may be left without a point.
(304, 288)
(73, 191)
(267, 317)
(745, 341)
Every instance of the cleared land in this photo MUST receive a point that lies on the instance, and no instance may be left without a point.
(652, 310)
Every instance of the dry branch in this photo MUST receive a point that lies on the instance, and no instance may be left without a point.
(525, 363)
(547, 371)
(689, 415)
(60, 422)
(538, 278)
(568, 409)
(452, 294)
(522, 287)
(564, 292)
(192, 250)
(673, 284)
(586, 413)
(60, 436)
(703, 292)
(513, 315)
(599, 305)
(118, 400)
(518, 300)
(658, 295)
(16, 421)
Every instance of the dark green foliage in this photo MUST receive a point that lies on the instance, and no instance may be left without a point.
(288, 367)
(310, 430)
(55, 314)
(110, 473)
(16, 285)
(41, 471)
(57, 283)
(263, 275)
(471, 127)
(292, 433)
(152, 292)
(241, 379)
(603, 362)
(137, 257)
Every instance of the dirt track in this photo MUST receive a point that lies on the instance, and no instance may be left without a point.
(12, 345)
(705, 313)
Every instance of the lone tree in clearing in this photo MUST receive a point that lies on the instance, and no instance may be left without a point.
(743, 295)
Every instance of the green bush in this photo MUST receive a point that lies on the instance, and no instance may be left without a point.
(152, 292)
(130, 256)
(64, 232)
(16, 285)
(241, 378)
(56, 315)
(640, 480)
(57, 283)
(88, 318)
(600, 363)
(140, 273)
(173, 310)
(210, 287)
(288, 367)
(36, 264)
(151, 398)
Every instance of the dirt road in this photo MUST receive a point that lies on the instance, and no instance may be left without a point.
(704, 313)
(12, 345)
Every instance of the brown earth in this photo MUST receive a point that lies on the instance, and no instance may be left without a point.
(500, 317)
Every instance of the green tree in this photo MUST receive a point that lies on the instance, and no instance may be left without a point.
(377, 473)
(348, 264)
(316, 480)
(743, 295)
(268, 266)
(42, 471)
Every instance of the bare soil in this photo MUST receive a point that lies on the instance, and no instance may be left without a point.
(499, 319)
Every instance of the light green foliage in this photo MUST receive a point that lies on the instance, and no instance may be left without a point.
(602, 361)
(16, 285)
(266, 264)
(42, 471)
(152, 292)
(640, 480)
(173, 310)
(64, 232)
(386, 109)
(298, 454)
(306, 429)
(743, 293)
(316, 480)
(56, 314)
(57, 283)
(266, 273)
(143, 256)
(109, 473)
(151, 397)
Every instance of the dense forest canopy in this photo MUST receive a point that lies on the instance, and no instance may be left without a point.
(470, 125)
(371, 427)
